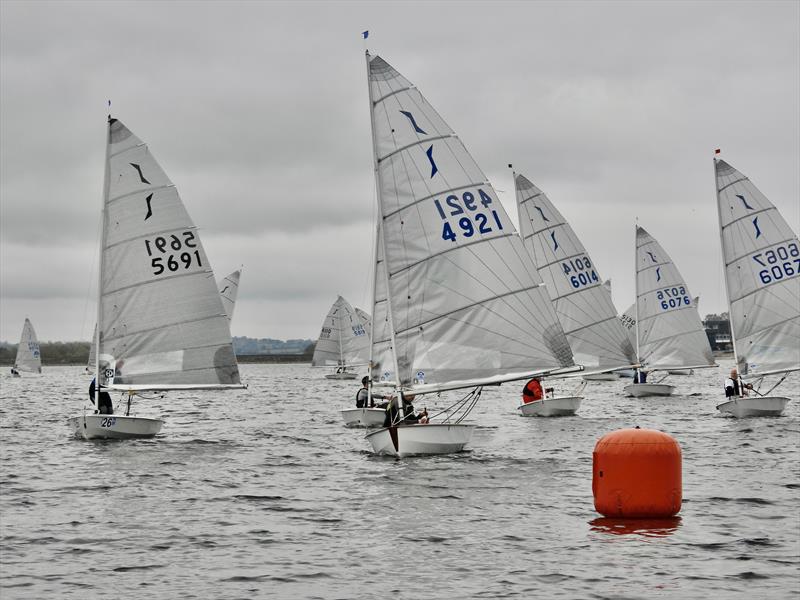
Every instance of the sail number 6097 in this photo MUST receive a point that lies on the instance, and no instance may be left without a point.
(472, 222)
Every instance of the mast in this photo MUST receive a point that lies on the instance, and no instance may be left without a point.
(725, 274)
(372, 305)
(103, 233)
(382, 236)
(636, 286)
(339, 334)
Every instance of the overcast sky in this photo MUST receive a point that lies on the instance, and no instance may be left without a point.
(258, 112)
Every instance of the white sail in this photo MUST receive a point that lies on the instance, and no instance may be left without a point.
(628, 321)
(366, 319)
(671, 335)
(761, 256)
(228, 290)
(343, 340)
(160, 318)
(28, 357)
(583, 305)
(92, 352)
(465, 302)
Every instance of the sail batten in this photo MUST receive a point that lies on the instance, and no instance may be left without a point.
(583, 306)
(161, 321)
(761, 262)
(463, 299)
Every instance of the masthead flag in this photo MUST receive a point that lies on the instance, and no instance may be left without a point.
(365, 34)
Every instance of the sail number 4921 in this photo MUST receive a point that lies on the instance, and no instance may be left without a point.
(473, 221)
(779, 263)
(168, 255)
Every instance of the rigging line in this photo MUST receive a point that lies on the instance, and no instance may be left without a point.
(411, 145)
(749, 215)
(392, 93)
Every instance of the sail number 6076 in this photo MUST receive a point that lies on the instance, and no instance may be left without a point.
(473, 221)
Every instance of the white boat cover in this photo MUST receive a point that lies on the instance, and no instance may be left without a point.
(466, 301)
(761, 257)
(343, 340)
(671, 334)
(583, 304)
(228, 290)
(28, 356)
(160, 316)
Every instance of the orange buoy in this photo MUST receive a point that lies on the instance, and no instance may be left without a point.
(636, 473)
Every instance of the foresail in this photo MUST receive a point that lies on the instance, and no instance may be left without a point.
(671, 334)
(28, 356)
(228, 290)
(466, 300)
(761, 256)
(343, 339)
(161, 319)
(583, 304)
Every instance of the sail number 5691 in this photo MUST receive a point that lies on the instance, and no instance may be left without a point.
(472, 222)
(781, 262)
(172, 261)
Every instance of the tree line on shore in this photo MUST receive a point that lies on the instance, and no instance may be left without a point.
(77, 353)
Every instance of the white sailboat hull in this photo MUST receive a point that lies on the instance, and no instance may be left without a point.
(601, 377)
(90, 426)
(363, 417)
(760, 406)
(432, 438)
(640, 390)
(345, 375)
(551, 407)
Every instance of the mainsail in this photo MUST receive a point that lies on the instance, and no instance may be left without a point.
(583, 304)
(460, 296)
(343, 340)
(670, 333)
(228, 290)
(761, 256)
(161, 323)
(28, 357)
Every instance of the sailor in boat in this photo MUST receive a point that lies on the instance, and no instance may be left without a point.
(363, 397)
(14, 371)
(640, 376)
(532, 391)
(409, 416)
(105, 407)
(732, 386)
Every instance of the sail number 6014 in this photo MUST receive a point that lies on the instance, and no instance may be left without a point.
(172, 261)
(473, 221)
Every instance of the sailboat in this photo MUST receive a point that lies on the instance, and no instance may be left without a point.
(761, 261)
(343, 341)
(228, 290)
(160, 321)
(457, 301)
(28, 357)
(669, 333)
(583, 305)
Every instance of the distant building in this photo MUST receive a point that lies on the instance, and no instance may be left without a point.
(718, 330)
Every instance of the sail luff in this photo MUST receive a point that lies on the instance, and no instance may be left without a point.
(636, 288)
(381, 239)
(101, 263)
(724, 266)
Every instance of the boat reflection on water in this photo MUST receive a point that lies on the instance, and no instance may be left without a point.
(643, 527)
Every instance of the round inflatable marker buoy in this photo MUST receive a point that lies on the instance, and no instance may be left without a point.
(636, 473)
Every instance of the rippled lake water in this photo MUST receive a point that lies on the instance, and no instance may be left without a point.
(263, 493)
